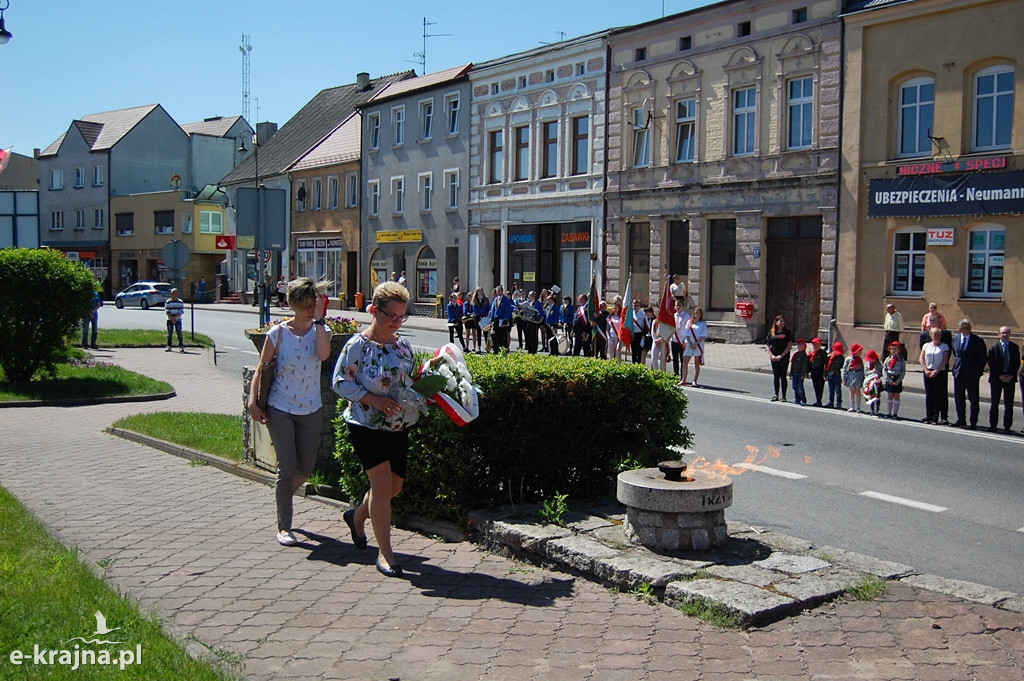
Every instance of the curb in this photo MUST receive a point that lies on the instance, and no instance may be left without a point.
(86, 401)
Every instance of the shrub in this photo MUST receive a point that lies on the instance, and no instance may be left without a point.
(43, 298)
(546, 425)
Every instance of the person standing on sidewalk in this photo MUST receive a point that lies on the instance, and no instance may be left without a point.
(293, 415)
(175, 309)
(372, 368)
(816, 362)
(779, 342)
(1003, 365)
(933, 359)
(92, 318)
(892, 325)
(969, 360)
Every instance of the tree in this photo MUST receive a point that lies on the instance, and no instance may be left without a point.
(43, 299)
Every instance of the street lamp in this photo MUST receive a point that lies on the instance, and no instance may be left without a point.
(5, 35)
(262, 302)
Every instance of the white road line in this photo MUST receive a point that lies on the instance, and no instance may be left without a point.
(226, 347)
(770, 471)
(1020, 529)
(905, 502)
(251, 352)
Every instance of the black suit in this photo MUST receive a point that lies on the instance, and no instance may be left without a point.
(1002, 364)
(970, 358)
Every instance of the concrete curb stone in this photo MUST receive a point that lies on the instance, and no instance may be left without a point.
(753, 605)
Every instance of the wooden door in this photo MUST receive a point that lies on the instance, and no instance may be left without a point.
(793, 284)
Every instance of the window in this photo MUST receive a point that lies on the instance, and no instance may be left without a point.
(522, 82)
(56, 179)
(79, 177)
(581, 69)
(993, 108)
(639, 242)
(686, 43)
(522, 166)
(211, 222)
(743, 29)
(427, 119)
(985, 257)
(373, 193)
(332, 192)
(318, 191)
(398, 191)
(686, 133)
(98, 219)
(497, 157)
(494, 88)
(800, 112)
(640, 54)
(451, 177)
(743, 111)
(721, 278)
(352, 190)
(373, 127)
(163, 221)
(451, 105)
(79, 220)
(300, 196)
(641, 139)
(125, 224)
(549, 76)
(398, 123)
(908, 250)
(580, 145)
(56, 219)
(800, 15)
(97, 176)
(679, 247)
(426, 187)
(549, 149)
(426, 275)
(917, 114)
(186, 223)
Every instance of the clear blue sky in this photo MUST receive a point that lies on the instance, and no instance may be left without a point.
(69, 58)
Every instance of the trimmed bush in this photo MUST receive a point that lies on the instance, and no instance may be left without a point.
(43, 298)
(546, 425)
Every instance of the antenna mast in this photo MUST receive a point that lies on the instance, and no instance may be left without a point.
(245, 48)
(421, 57)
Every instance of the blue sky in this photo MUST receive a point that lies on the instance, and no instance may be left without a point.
(69, 58)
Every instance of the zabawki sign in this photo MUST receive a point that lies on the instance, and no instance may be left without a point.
(999, 193)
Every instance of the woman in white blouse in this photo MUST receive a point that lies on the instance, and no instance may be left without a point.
(693, 336)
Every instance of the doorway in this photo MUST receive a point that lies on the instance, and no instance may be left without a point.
(793, 289)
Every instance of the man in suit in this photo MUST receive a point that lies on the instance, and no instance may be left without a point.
(969, 359)
(1003, 365)
(581, 328)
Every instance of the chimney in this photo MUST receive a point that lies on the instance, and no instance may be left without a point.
(363, 81)
(264, 131)
(36, 152)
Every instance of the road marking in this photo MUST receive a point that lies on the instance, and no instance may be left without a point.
(1020, 529)
(905, 502)
(251, 352)
(226, 347)
(770, 471)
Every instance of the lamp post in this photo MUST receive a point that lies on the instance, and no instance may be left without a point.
(262, 302)
(5, 35)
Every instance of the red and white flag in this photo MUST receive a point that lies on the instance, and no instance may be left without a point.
(626, 323)
(5, 157)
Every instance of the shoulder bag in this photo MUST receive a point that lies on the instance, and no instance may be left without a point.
(267, 371)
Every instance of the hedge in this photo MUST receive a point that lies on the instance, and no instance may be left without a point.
(547, 425)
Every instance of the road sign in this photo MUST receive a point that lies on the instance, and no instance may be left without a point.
(266, 255)
(175, 255)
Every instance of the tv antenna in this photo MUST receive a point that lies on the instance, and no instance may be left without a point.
(561, 37)
(421, 57)
(245, 48)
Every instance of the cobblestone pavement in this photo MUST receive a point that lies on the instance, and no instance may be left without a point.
(197, 546)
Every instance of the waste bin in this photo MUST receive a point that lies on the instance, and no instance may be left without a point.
(359, 300)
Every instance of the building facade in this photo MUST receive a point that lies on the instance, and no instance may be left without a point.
(415, 160)
(537, 163)
(933, 183)
(723, 148)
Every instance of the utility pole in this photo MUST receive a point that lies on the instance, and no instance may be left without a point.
(245, 48)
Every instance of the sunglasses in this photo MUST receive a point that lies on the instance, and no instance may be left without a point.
(399, 318)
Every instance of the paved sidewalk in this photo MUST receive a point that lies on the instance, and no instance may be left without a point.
(197, 545)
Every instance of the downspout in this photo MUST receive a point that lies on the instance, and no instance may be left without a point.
(839, 177)
(604, 174)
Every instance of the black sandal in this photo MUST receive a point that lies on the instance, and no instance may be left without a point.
(349, 516)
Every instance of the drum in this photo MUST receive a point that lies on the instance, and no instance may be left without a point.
(563, 341)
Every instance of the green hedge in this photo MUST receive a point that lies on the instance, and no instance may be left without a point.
(546, 425)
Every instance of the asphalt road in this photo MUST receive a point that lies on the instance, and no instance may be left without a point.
(945, 501)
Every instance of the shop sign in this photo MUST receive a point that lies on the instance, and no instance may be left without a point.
(1000, 193)
(940, 236)
(962, 165)
(394, 236)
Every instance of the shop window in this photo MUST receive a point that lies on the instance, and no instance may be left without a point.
(640, 259)
(722, 264)
(908, 250)
(985, 258)
(426, 275)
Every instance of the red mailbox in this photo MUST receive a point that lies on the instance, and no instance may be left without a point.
(744, 309)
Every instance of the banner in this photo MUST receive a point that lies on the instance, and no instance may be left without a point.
(1000, 193)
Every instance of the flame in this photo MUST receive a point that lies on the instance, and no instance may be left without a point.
(721, 469)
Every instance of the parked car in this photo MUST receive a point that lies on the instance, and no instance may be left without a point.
(144, 294)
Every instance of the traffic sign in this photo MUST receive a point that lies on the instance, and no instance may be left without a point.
(266, 255)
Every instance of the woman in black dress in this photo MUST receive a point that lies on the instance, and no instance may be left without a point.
(779, 342)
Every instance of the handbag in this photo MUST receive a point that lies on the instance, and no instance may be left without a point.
(267, 371)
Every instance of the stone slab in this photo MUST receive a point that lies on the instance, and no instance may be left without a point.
(749, 602)
(861, 563)
(792, 563)
(576, 552)
(630, 570)
(745, 574)
(811, 589)
(969, 591)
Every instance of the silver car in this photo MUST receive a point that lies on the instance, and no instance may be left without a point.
(144, 294)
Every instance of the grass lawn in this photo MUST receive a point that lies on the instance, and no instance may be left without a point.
(138, 338)
(77, 381)
(219, 434)
(48, 598)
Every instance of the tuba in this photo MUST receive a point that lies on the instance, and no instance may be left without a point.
(528, 313)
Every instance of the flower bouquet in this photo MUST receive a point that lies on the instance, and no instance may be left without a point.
(444, 380)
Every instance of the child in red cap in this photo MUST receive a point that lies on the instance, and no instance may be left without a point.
(834, 370)
(872, 382)
(853, 376)
(894, 368)
(798, 368)
(816, 360)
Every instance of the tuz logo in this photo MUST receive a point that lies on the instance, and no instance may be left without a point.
(80, 656)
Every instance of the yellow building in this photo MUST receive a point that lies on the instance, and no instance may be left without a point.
(932, 186)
